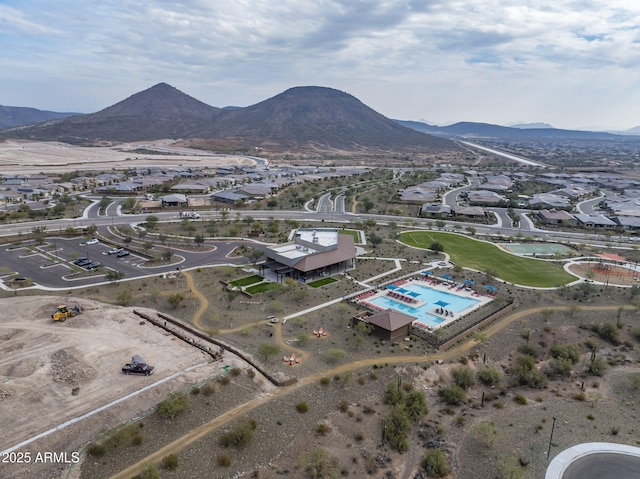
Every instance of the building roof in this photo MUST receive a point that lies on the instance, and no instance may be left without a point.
(390, 320)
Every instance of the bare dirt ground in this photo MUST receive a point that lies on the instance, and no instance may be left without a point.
(18, 156)
(52, 372)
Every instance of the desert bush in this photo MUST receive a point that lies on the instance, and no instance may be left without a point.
(520, 399)
(609, 332)
(416, 404)
(323, 429)
(570, 351)
(170, 462)
(489, 376)
(453, 395)
(397, 427)
(96, 450)
(343, 405)
(530, 350)
(224, 460)
(173, 405)
(319, 464)
(559, 367)
(486, 433)
(393, 394)
(240, 435)
(434, 463)
(463, 377)
(236, 372)
(510, 468)
(302, 407)
(150, 471)
(598, 366)
(208, 389)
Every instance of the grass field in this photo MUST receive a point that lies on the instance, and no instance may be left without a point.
(321, 282)
(485, 257)
(247, 281)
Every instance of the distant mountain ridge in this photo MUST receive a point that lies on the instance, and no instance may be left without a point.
(466, 129)
(18, 115)
(309, 118)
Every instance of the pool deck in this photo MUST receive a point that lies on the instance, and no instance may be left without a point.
(437, 284)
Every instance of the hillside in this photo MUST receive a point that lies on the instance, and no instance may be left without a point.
(319, 118)
(161, 111)
(301, 118)
(18, 116)
(467, 129)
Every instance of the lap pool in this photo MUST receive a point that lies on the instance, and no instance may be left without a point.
(431, 300)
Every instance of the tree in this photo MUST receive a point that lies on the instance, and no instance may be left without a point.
(105, 201)
(91, 230)
(240, 435)
(152, 222)
(436, 246)
(393, 394)
(198, 239)
(267, 350)
(114, 276)
(253, 254)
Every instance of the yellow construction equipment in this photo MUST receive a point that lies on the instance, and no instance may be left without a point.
(63, 312)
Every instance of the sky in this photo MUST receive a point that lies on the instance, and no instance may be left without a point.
(569, 63)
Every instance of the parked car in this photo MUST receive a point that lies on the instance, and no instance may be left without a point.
(81, 259)
(115, 250)
(137, 366)
(92, 241)
(93, 265)
(122, 253)
(84, 262)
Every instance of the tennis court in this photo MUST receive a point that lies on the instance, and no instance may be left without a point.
(536, 249)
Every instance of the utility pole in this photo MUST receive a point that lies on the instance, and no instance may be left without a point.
(553, 426)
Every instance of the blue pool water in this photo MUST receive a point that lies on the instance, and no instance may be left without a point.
(433, 299)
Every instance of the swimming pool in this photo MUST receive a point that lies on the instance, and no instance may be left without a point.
(432, 298)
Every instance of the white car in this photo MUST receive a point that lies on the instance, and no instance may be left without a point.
(92, 241)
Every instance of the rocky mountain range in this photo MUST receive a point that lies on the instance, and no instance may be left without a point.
(301, 118)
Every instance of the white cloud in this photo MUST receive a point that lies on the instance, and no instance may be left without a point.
(439, 59)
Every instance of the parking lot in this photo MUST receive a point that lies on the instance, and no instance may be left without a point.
(51, 264)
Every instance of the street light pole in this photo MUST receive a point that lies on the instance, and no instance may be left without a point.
(553, 426)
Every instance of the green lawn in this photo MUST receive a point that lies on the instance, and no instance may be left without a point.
(354, 233)
(261, 288)
(484, 256)
(321, 282)
(247, 281)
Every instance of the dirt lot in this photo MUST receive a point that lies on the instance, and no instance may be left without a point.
(24, 156)
(52, 372)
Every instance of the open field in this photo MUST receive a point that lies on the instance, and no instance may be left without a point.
(34, 157)
(52, 372)
(483, 256)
